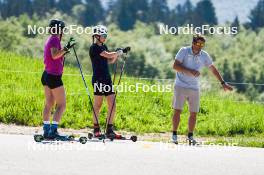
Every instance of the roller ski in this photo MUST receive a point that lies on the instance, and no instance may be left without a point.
(52, 135)
(112, 137)
(70, 138)
(110, 134)
(120, 137)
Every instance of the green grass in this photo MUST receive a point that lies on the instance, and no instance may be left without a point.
(22, 101)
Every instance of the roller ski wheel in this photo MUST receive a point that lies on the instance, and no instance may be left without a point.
(71, 138)
(133, 138)
(83, 140)
(38, 138)
(90, 136)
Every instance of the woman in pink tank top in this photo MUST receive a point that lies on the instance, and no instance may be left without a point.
(51, 79)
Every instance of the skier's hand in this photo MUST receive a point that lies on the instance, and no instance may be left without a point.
(121, 51)
(227, 87)
(118, 49)
(69, 44)
(127, 49)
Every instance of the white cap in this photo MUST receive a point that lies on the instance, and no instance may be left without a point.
(99, 30)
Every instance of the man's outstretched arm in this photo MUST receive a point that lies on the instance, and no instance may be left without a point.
(217, 74)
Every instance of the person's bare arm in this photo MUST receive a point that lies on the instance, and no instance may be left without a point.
(217, 74)
(56, 53)
(111, 56)
(180, 68)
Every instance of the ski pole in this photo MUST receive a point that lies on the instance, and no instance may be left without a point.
(86, 87)
(112, 107)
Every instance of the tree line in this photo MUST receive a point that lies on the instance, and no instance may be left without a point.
(125, 13)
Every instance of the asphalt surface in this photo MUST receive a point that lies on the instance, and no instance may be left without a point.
(20, 155)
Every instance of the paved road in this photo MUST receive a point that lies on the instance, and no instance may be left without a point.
(20, 155)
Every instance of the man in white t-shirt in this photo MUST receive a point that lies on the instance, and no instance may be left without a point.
(188, 63)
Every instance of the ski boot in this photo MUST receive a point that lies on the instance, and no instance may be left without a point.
(174, 139)
(55, 135)
(111, 134)
(97, 132)
(46, 129)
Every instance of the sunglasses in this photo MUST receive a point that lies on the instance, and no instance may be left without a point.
(199, 44)
(104, 36)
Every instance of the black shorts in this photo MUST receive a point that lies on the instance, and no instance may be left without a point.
(52, 81)
(103, 87)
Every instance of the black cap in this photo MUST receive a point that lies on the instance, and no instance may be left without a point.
(56, 26)
(56, 23)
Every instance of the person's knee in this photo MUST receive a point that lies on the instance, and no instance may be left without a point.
(97, 105)
(61, 107)
(111, 106)
(49, 105)
(111, 101)
(177, 112)
(193, 114)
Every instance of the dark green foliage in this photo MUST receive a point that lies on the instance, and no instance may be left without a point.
(227, 73)
(42, 7)
(257, 16)
(236, 23)
(158, 11)
(93, 14)
(124, 13)
(136, 66)
(204, 13)
(15, 8)
(239, 76)
(66, 6)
